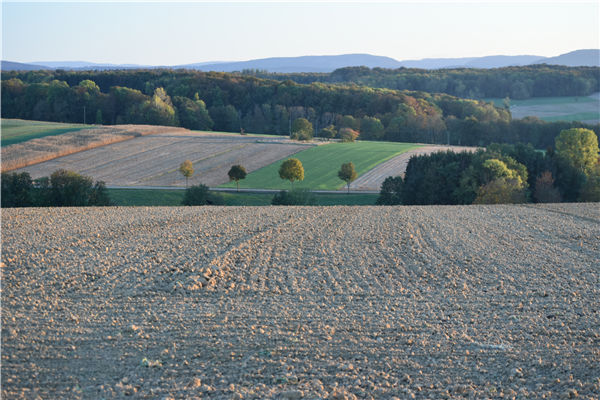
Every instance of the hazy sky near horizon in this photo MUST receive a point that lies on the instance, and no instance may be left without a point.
(156, 33)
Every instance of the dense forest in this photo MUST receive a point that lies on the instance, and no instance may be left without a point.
(230, 102)
(512, 82)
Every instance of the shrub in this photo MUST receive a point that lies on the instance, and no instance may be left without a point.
(328, 132)
(391, 191)
(501, 191)
(295, 197)
(348, 135)
(302, 129)
(68, 189)
(16, 189)
(199, 195)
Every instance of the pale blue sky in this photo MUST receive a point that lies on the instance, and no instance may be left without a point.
(179, 33)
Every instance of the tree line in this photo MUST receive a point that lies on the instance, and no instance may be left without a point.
(502, 173)
(61, 189)
(522, 82)
(235, 103)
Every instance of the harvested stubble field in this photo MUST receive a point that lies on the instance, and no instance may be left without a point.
(41, 150)
(292, 302)
(154, 160)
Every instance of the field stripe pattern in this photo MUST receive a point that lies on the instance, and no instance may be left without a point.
(272, 302)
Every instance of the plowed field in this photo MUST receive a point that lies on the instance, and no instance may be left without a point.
(315, 302)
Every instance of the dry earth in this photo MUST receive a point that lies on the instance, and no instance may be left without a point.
(154, 160)
(286, 302)
(36, 151)
(396, 166)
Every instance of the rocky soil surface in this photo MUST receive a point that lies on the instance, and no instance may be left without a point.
(293, 302)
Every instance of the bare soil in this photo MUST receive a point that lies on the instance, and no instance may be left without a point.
(154, 160)
(301, 302)
(396, 166)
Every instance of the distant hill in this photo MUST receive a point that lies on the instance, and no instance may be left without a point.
(301, 64)
(589, 58)
(16, 66)
(471, 62)
(326, 64)
(80, 65)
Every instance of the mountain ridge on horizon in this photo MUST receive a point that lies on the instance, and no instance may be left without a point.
(329, 63)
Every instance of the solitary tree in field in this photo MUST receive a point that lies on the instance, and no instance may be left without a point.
(292, 170)
(187, 169)
(236, 173)
(347, 174)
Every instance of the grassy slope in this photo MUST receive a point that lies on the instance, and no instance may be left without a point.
(322, 163)
(17, 131)
(159, 197)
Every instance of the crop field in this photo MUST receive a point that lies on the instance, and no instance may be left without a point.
(18, 130)
(44, 149)
(322, 163)
(154, 160)
(372, 179)
(301, 302)
(583, 108)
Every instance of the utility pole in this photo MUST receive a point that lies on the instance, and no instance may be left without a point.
(84, 115)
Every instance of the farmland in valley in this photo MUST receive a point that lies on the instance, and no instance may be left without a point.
(154, 160)
(322, 163)
(294, 302)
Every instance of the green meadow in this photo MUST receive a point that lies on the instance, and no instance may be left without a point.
(322, 163)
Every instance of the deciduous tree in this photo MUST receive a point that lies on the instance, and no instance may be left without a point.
(187, 170)
(302, 129)
(236, 173)
(292, 170)
(347, 173)
(580, 147)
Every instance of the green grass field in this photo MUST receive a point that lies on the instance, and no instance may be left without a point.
(17, 130)
(145, 197)
(584, 116)
(322, 163)
(539, 101)
(552, 109)
(173, 197)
